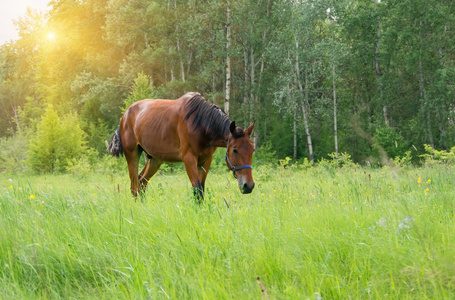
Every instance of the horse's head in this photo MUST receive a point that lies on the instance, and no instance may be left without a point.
(239, 155)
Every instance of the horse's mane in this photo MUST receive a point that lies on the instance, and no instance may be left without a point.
(207, 117)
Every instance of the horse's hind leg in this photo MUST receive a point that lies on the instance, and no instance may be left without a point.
(144, 171)
(151, 167)
(132, 158)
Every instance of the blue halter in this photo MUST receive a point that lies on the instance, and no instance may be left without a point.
(233, 169)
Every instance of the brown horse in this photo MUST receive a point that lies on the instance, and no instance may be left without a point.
(187, 130)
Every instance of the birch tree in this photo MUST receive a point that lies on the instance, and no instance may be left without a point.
(303, 91)
(228, 58)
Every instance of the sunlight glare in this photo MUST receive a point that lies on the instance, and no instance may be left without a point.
(51, 36)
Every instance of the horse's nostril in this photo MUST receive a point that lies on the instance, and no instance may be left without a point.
(247, 188)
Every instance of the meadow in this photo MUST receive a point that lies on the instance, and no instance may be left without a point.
(319, 233)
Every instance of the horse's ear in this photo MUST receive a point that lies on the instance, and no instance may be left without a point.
(232, 127)
(249, 130)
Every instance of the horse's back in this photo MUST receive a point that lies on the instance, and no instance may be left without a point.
(153, 124)
(157, 107)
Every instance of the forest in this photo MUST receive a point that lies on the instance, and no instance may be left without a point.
(370, 80)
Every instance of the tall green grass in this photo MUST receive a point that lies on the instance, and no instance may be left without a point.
(317, 234)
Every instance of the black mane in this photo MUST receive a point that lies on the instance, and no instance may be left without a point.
(208, 117)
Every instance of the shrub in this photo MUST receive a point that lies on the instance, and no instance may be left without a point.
(433, 156)
(12, 154)
(264, 154)
(56, 142)
(391, 141)
(83, 165)
(97, 133)
(285, 162)
(304, 163)
(403, 161)
(141, 90)
(107, 164)
(343, 160)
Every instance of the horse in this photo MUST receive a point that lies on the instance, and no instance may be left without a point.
(189, 130)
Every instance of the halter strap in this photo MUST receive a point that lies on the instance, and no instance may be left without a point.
(233, 169)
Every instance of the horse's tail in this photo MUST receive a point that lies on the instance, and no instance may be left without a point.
(115, 147)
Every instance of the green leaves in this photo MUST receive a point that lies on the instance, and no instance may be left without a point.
(393, 67)
(141, 90)
(57, 141)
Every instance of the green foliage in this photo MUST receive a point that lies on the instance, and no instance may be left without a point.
(107, 164)
(99, 99)
(57, 141)
(404, 161)
(30, 114)
(265, 154)
(96, 134)
(141, 90)
(342, 160)
(304, 164)
(80, 168)
(390, 140)
(433, 157)
(219, 160)
(83, 165)
(285, 162)
(13, 154)
(280, 137)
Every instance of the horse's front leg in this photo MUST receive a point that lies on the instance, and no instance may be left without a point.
(191, 167)
(203, 171)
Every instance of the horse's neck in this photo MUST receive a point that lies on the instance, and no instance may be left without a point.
(221, 142)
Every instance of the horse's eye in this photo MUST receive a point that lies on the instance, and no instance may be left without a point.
(235, 151)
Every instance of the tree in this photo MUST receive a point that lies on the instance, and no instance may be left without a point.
(227, 95)
(141, 90)
(56, 142)
(18, 64)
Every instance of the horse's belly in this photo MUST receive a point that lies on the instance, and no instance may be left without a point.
(166, 156)
(162, 148)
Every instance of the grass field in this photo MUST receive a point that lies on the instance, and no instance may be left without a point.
(315, 234)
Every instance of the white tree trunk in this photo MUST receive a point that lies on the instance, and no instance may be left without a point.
(295, 127)
(378, 72)
(182, 67)
(172, 66)
(245, 71)
(335, 126)
(423, 95)
(228, 58)
(305, 98)
(252, 80)
(190, 59)
(305, 119)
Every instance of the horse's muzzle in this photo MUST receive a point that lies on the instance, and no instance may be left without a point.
(247, 187)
